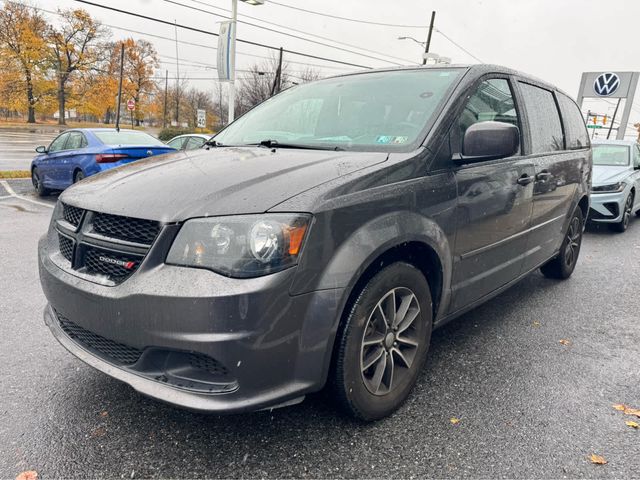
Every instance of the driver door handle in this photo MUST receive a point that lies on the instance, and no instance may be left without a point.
(525, 179)
(543, 176)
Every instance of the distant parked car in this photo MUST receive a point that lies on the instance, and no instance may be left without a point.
(76, 154)
(190, 141)
(616, 183)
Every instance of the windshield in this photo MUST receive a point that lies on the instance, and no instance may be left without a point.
(128, 138)
(611, 155)
(381, 111)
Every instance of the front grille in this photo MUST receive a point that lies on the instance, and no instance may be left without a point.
(210, 365)
(126, 228)
(71, 214)
(114, 265)
(114, 351)
(107, 246)
(66, 247)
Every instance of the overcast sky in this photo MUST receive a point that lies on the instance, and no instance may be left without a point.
(555, 40)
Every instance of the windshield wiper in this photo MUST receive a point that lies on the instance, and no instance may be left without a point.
(270, 143)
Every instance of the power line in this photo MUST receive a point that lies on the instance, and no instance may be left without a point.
(286, 27)
(185, 42)
(337, 17)
(458, 45)
(193, 29)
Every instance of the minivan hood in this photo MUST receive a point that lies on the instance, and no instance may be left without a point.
(218, 181)
(606, 175)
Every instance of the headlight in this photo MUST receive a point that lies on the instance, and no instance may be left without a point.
(241, 246)
(613, 188)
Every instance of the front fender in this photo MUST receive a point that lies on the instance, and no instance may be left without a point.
(346, 263)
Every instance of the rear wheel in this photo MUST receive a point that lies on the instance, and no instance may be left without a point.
(78, 176)
(563, 264)
(383, 343)
(623, 224)
(36, 180)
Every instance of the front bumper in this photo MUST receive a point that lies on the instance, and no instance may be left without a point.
(274, 347)
(607, 207)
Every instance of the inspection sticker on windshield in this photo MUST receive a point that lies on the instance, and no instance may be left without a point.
(386, 139)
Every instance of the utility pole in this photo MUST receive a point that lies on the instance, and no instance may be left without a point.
(166, 91)
(177, 79)
(276, 81)
(120, 87)
(426, 48)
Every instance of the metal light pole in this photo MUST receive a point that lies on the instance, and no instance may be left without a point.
(232, 82)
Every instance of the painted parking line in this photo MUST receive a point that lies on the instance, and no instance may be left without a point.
(13, 194)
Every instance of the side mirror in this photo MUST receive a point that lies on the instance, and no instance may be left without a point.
(41, 149)
(489, 141)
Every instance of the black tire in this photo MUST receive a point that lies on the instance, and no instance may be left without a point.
(37, 183)
(562, 265)
(623, 224)
(400, 351)
(77, 176)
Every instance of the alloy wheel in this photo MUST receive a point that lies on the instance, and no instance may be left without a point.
(574, 235)
(390, 341)
(628, 206)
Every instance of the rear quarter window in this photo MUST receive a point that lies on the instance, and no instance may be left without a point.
(543, 119)
(575, 130)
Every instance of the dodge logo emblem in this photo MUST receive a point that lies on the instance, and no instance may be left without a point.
(120, 263)
(606, 84)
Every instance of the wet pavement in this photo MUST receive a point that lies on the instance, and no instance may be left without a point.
(528, 405)
(18, 145)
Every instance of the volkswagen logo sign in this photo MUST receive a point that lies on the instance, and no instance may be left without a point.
(606, 84)
(149, 152)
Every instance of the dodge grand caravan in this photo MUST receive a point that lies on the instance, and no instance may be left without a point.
(341, 221)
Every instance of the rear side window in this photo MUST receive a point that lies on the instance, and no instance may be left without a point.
(636, 155)
(544, 119)
(575, 131)
(195, 142)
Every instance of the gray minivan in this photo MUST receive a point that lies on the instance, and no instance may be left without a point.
(341, 221)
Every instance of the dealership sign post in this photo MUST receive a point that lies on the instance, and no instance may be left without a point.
(619, 85)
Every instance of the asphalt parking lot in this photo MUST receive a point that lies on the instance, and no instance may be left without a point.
(527, 404)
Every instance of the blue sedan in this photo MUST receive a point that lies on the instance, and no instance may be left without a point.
(76, 154)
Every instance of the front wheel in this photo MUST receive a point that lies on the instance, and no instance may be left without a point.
(563, 264)
(383, 343)
(37, 183)
(623, 224)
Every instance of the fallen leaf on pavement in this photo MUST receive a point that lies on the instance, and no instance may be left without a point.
(28, 475)
(536, 324)
(99, 432)
(104, 414)
(631, 424)
(632, 411)
(564, 342)
(620, 407)
(454, 420)
(597, 459)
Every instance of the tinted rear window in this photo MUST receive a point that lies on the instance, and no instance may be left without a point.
(127, 138)
(575, 131)
(544, 119)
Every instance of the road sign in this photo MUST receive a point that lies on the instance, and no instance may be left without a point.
(202, 118)
(131, 104)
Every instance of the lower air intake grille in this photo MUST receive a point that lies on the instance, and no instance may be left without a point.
(114, 351)
(208, 364)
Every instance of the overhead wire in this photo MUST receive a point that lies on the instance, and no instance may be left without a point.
(240, 40)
